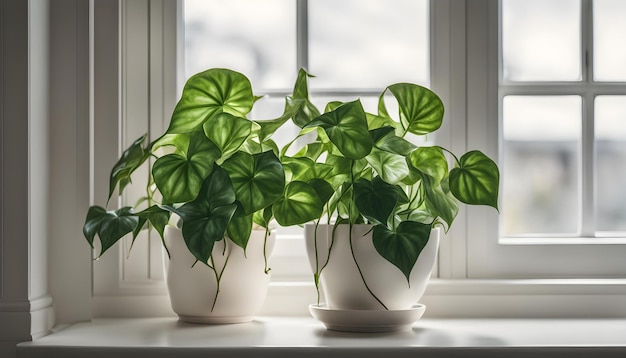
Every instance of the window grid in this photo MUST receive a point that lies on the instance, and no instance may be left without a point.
(588, 90)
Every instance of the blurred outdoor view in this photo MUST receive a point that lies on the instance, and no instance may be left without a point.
(542, 135)
(357, 47)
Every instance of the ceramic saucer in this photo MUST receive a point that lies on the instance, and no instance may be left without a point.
(367, 320)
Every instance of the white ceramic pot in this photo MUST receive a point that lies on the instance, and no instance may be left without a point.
(341, 283)
(243, 285)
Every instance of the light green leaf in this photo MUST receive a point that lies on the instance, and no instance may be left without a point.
(430, 161)
(179, 178)
(258, 179)
(208, 93)
(300, 204)
(421, 110)
(227, 132)
(390, 166)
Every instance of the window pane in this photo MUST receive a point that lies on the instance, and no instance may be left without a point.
(609, 31)
(541, 40)
(368, 43)
(610, 135)
(256, 38)
(540, 166)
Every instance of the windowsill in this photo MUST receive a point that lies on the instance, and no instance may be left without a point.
(306, 337)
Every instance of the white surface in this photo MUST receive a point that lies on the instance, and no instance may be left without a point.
(367, 320)
(305, 337)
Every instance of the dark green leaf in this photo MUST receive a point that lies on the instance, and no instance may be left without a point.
(157, 217)
(206, 218)
(239, 230)
(207, 93)
(95, 215)
(403, 246)
(376, 199)
(131, 159)
(346, 127)
(323, 188)
(476, 181)
(110, 226)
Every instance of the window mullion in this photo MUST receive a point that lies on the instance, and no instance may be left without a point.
(587, 228)
(302, 34)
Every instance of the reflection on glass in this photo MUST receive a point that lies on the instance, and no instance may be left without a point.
(610, 137)
(541, 40)
(256, 38)
(368, 43)
(608, 39)
(540, 166)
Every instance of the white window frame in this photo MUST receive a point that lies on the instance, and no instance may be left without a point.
(528, 257)
(475, 266)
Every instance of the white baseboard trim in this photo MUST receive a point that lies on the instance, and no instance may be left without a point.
(26, 320)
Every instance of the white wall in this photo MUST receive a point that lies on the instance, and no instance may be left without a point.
(44, 152)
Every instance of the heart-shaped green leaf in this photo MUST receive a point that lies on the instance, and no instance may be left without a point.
(476, 180)
(430, 161)
(156, 216)
(300, 204)
(239, 230)
(385, 139)
(206, 218)
(346, 127)
(207, 93)
(110, 226)
(421, 110)
(258, 179)
(439, 200)
(389, 166)
(376, 199)
(179, 177)
(403, 246)
(227, 132)
(131, 159)
(305, 111)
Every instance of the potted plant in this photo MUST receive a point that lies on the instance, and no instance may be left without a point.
(376, 201)
(218, 172)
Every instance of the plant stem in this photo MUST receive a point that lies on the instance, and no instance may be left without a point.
(361, 272)
(218, 276)
(267, 231)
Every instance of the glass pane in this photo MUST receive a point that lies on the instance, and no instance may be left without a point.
(256, 38)
(541, 40)
(368, 43)
(610, 135)
(540, 166)
(609, 31)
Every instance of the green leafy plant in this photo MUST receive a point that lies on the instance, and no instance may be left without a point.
(217, 170)
(361, 168)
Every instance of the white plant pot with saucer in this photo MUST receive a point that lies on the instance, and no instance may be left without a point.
(363, 291)
(193, 286)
